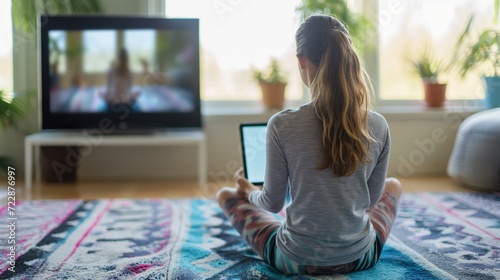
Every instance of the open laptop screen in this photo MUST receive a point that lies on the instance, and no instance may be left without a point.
(253, 143)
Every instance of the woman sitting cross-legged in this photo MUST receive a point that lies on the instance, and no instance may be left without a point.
(331, 155)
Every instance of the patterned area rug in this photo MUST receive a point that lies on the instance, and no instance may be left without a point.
(436, 236)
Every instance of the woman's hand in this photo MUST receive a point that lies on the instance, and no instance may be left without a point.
(243, 185)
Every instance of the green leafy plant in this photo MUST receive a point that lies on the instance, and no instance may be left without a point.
(273, 75)
(484, 54)
(481, 52)
(12, 108)
(356, 23)
(427, 66)
(25, 13)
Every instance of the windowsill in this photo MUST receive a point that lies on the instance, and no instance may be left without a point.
(392, 113)
(411, 113)
(237, 111)
(251, 108)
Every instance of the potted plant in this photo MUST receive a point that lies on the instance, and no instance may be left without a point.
(428, 68)
(482, 54)
(272, 84)
(485, 55)
(11, 109)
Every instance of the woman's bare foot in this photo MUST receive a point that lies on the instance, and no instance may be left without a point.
(226, 193)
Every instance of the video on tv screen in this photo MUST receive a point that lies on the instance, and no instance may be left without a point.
(148, 70)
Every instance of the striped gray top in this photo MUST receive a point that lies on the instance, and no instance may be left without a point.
(326, 223)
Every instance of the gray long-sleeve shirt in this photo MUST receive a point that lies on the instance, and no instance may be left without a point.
(326, 223)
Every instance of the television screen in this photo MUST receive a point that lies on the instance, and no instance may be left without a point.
(141, 72)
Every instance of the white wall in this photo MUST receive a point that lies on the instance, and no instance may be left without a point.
(422, 142)
(421, 145)
(171, 162)
(124, 7)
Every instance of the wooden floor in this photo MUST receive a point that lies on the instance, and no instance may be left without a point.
(181, 189)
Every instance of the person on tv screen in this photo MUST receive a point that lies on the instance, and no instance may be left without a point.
(119, 87)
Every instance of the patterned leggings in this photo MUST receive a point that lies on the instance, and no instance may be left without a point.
(259, 228)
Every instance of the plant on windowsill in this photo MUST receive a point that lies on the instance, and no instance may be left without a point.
(428, 68)
(12, 108)
(482, 54)
(272, 84)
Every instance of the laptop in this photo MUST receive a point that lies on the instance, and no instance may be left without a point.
(253, 144)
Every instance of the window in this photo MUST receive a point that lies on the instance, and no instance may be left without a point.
(100, 47)
(57, 49)
(406, 27)
(6, 46)
(139, 44)
(239, 36)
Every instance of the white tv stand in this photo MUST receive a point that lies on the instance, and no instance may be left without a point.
(170, 138)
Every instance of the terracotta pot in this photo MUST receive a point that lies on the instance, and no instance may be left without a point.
(273, 95)
(435, 94)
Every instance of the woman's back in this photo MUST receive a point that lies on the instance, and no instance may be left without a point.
(326, 221)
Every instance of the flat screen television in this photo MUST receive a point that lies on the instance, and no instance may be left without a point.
(124, 73)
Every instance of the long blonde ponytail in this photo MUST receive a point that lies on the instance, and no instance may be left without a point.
(340, 93)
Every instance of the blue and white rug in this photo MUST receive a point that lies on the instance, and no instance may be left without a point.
(436, 236)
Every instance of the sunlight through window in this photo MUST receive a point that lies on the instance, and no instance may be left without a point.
(99, 48)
